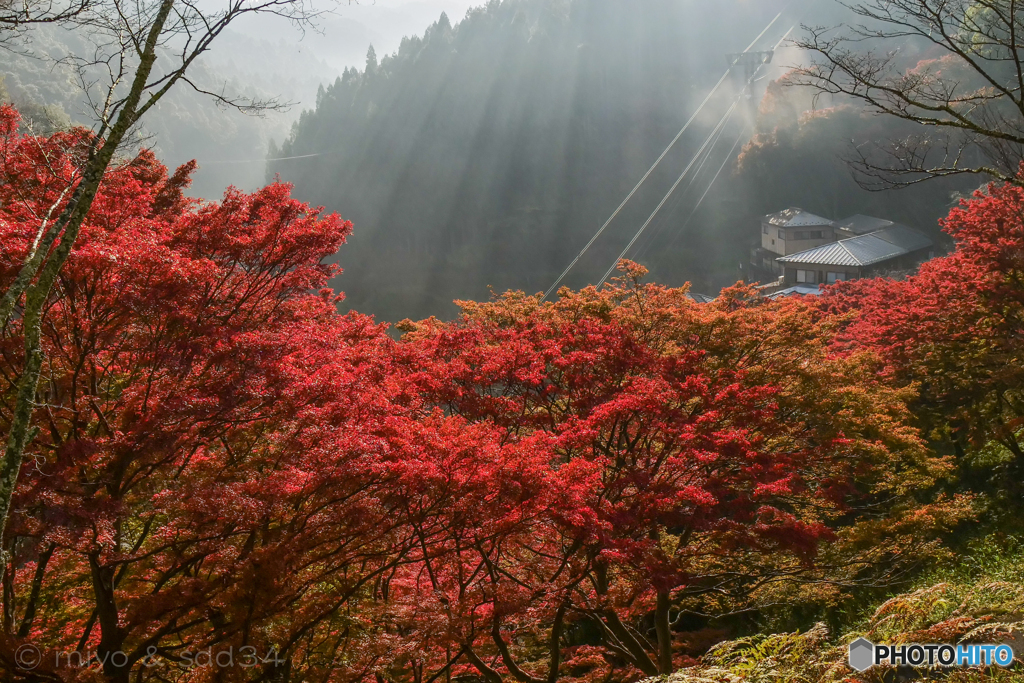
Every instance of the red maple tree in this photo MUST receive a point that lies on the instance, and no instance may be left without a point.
(212, 464)
(694, 450)
(954, 332)
(222, 464)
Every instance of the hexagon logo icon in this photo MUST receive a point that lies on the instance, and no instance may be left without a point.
(862, 654)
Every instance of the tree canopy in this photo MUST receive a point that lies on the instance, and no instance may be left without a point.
(222, 463)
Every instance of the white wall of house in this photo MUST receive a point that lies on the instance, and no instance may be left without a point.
(817, 274)
(786, 241)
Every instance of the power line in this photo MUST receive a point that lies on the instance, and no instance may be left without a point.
(679, 181)
(700, 201)
(693, 178)
(672, 144)
(264, 161)
(672, 190)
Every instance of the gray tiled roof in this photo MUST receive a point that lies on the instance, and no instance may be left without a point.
(864, 250)
(907, 238)
(795, 218)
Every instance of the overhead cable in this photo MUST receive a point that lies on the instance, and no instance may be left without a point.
(657, 162)
(700, 201)
(671, 191)
(693, 179)
(750, 80)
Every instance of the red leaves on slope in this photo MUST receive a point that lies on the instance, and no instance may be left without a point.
(224, 461)
(954, 329)
(685, 440)
(200, 473)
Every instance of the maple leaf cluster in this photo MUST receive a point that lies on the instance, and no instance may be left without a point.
(533, 492)
(953, 333)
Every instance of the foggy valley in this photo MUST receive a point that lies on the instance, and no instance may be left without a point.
(465, 166)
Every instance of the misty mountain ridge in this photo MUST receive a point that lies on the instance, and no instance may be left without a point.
(486, 152)
(264, 57)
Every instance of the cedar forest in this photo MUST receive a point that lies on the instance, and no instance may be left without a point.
(222, 460)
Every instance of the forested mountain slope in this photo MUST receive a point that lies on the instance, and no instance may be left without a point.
(487, 153)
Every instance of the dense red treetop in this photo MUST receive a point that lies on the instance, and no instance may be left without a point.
(698, 449)
(954, 330)
(534, 491)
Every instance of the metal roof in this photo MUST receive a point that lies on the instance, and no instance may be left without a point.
(864, 250)
(795, 218)
(859, 224)
(907, 238)
(700, 298)
(804, 290)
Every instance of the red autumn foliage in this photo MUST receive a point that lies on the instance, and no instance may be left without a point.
(224, 464)
(696, 450)
(216, 442)
(955, 330)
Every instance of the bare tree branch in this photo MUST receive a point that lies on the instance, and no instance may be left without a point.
(968, 100)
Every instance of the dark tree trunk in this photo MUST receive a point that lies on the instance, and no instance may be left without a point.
(664, 629)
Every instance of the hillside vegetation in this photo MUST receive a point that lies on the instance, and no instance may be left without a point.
(593, 489)
(214, 473)
(977, 599)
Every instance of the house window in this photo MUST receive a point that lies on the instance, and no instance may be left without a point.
(836, 277)
(782, 234)
(807, 235)
(805, 277)
(764, 229)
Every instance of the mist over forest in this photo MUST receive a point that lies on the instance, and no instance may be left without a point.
(263, 57)
(484, 151)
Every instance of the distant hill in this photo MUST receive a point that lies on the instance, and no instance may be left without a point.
(487, 152)
(262, 55)
(185, 125)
